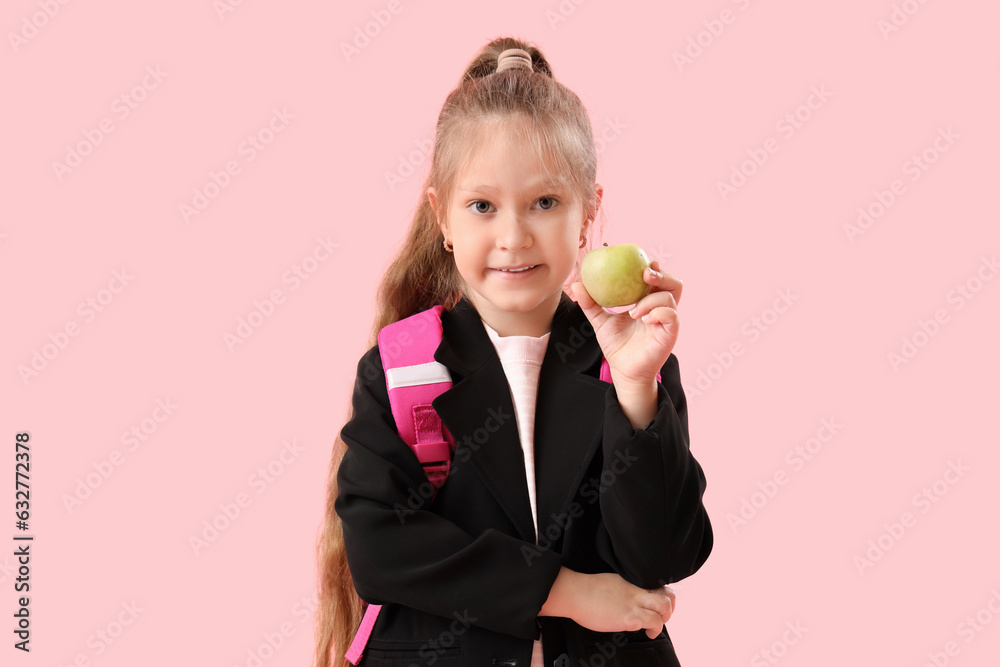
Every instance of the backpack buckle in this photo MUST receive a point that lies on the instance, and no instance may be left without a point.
(432, 450)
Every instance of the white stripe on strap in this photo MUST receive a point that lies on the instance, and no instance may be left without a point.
(407, 376)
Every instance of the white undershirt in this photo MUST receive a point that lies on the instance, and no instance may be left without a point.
(521, 357)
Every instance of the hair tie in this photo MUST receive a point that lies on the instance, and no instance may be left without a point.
(514, 59)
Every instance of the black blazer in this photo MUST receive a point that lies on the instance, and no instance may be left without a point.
(461, 578)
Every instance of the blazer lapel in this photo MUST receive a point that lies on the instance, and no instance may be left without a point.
(569, 413)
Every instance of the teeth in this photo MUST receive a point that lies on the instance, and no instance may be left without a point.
(517, 270)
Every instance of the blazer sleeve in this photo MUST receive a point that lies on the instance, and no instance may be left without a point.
(655, 528)
(400, 551)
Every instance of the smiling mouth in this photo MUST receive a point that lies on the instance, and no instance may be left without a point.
(522, 270)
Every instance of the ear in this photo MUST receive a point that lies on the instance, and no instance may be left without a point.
(432, 198)
(592, 212)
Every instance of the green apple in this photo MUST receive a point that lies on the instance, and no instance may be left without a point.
(613, 274)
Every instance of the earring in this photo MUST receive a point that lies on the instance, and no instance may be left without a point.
(447, 247)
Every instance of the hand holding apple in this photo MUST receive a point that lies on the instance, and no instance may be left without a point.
(637, 343)
(613, 275)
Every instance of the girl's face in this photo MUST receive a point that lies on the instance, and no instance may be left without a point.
(508, 212)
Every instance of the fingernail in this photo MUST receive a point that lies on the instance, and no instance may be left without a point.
(632, 312)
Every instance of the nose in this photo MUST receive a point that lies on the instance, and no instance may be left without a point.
(513, 232)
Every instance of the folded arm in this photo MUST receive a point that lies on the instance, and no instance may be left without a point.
(655, 529)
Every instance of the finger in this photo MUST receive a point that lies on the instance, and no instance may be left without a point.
(663, 604)
(665, 316)
(645, 616)
(651, 301)
(593, 310)
(652, 623)
(665, 590)
(662, 281)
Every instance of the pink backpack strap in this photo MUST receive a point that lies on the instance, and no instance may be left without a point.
(606, 371)
(353, 654)
(413, 379)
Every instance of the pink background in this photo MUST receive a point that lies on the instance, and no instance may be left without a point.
(681, 130)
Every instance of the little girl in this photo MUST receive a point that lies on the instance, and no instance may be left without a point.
(571, 502)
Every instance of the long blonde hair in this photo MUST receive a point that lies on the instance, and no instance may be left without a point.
(424, 274)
